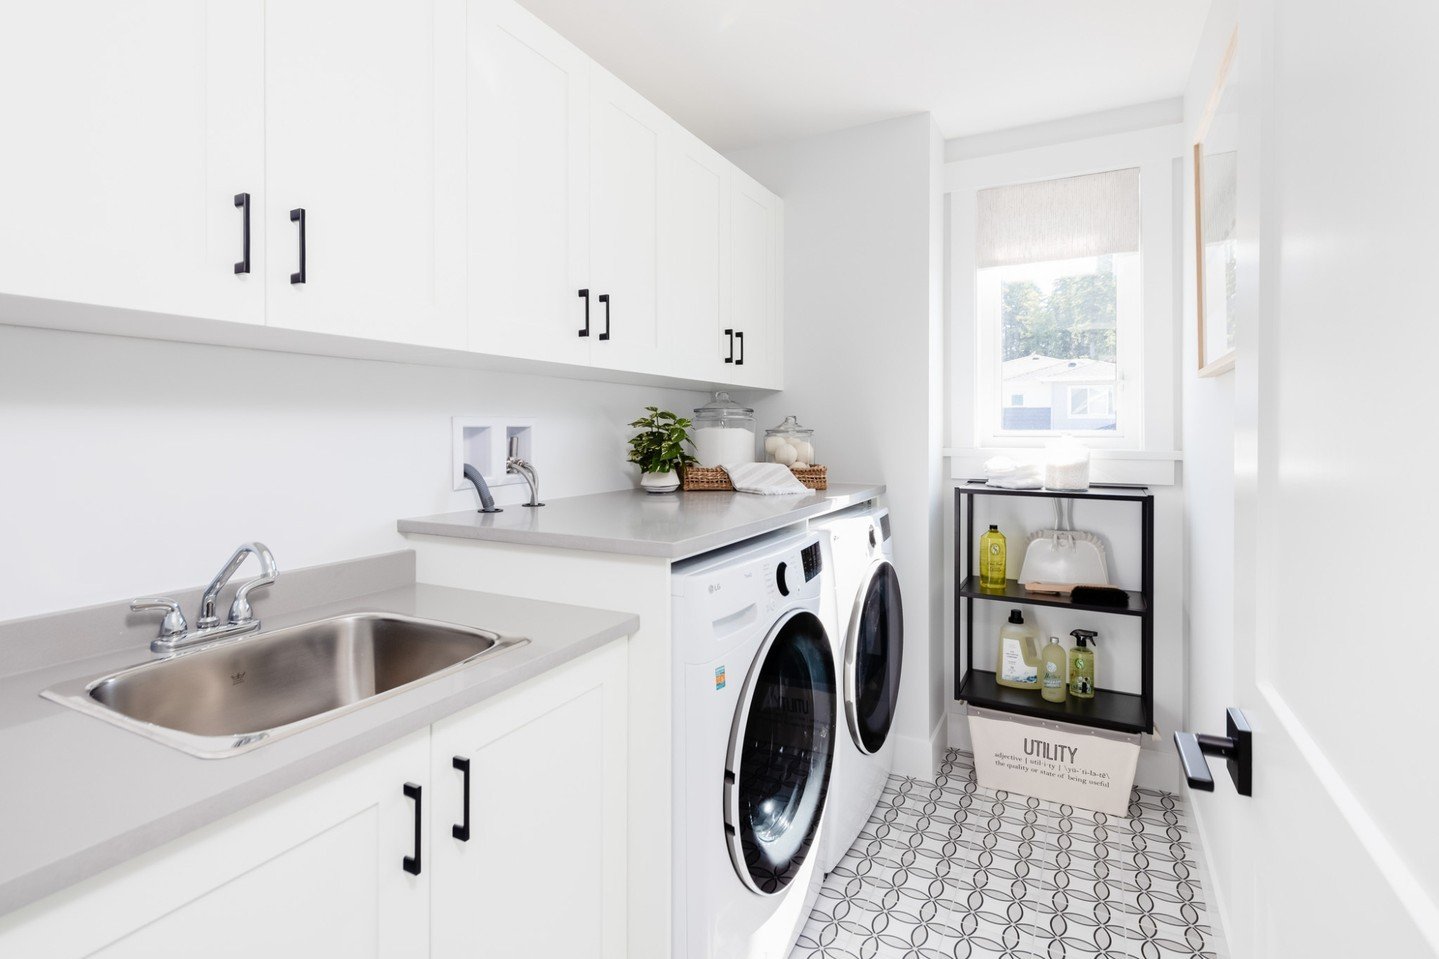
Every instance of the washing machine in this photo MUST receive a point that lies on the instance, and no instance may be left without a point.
(755, 724)
(867, 623)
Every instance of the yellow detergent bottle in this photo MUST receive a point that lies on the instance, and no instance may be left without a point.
(1081, 664)
(1018, 665)
(1053, 672)
(992, 561)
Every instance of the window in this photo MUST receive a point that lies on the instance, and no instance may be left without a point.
(1058, 292)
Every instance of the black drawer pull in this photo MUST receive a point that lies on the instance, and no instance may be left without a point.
(462, 830)
(585, 295)
(297, 215)
(739, 335)
(605, 299)
(412, 863)
(242, 201)
(730, 334)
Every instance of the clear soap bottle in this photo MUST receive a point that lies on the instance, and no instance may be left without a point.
(1053, 672)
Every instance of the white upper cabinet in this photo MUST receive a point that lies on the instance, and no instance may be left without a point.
(753, 277)
(625, 133)
(364, 136)
(528, 176)
(694, 235)
(130, 129)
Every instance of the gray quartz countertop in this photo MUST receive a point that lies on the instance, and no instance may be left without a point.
(82, 795)
(633, 522)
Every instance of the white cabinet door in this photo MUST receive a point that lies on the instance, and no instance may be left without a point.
(625, 135)
(753, 269)
(129, 129)
(364, 126)
(528, 176)
(316, 871)
(694, 232)
(542, 869)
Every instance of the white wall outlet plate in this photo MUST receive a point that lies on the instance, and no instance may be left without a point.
(483, 442)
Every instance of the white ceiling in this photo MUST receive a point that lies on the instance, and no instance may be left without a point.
(743, 72)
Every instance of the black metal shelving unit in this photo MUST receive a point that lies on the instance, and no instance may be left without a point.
(1109, 709)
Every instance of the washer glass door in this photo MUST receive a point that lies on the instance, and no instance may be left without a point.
(781, 754)
(873, 652)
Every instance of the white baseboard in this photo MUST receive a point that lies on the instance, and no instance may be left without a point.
(921, 758)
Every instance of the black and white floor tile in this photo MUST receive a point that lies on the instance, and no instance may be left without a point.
(950, 870)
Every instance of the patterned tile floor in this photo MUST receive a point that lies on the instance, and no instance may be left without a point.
(949, 870)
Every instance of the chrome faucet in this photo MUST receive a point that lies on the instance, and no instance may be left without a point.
(516, 465)
(175, 632)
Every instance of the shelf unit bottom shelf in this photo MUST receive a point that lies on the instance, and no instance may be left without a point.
(1109, 709)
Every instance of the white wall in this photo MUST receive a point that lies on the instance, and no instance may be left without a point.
(863, 355)
(133, 466)
(1208, 439)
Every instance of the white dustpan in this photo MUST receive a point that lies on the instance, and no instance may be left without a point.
(1062, 555)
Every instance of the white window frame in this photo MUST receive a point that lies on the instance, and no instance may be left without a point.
(1156, 152)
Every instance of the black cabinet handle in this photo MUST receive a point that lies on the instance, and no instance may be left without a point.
(605, 299)
(462, 830)
(585, 295)
(297, 215)
(730, 334)
(242, 200)
(739, 335)
(412, 863)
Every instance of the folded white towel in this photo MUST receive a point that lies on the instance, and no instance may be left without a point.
(767, 479)
(1005, 473)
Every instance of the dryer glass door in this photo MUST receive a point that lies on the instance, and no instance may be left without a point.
(781, 753)
(873, 652)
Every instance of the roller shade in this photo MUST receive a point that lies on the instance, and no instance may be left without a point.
(1077, 216)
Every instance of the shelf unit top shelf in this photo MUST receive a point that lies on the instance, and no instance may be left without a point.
(1097, 491)
(1015, 593)
(1109, 709)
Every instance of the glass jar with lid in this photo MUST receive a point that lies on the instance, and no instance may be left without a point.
(790, 444)
(724, 432)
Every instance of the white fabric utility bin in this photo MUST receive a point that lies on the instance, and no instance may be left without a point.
(1089, 768)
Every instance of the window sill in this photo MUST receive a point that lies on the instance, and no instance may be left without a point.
(1143, 467)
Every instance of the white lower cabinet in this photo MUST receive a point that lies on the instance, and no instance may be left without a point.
(334, 866)
(541, 871)
(316, 871)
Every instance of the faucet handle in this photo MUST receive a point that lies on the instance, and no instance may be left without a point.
(174, 622)
(240, 611)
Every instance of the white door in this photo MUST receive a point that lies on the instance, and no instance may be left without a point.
(1333, 856)
(753, 258)
(528, 175)
(625, 134)
(316, 871)
(535, 866)
(364, 125)
(129, 130)
(694, 230)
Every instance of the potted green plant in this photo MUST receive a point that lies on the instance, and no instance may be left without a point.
(658, 449)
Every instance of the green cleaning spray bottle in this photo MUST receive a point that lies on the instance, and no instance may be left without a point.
(1081, 664)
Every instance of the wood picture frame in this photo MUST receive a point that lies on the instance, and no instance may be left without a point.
(1216, 161)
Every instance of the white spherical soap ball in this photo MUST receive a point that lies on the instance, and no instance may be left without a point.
(805, 450)
(771, 443)
(786, 454)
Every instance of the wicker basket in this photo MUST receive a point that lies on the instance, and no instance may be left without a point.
(714, 478)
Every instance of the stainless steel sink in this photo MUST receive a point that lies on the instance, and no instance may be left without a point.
(237, 694)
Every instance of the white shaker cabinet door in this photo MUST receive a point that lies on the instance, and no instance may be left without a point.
(528, 175)
(365, 154)
(625, 135)
(694, 231)
(535, 865)
(753, 275)
(316, 871)
(129, 130)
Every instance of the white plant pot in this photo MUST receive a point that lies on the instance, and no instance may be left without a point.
(666, 482)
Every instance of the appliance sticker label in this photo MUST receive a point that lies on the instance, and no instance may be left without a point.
(719, 677)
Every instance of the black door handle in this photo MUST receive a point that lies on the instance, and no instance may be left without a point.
(297, 215)
(605, 299)
(1237, 748)
(242, 200)
(462, 830)
(585, 295)
(730, 334)
(739, 335)
(412, 863)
